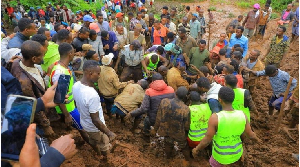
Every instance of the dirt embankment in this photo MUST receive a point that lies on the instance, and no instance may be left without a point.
(276, 148)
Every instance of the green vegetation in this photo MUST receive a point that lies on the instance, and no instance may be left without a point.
(212, 8)
(231, 15)
(74, 5)
(274, 16)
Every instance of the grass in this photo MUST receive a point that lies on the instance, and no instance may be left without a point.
(212, 8)
(274, 16)
(243, 4)
(231, 15)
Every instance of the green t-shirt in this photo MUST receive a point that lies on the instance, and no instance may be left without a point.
(196, 58)
(51, 56)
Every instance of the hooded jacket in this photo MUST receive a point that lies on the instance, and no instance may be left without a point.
(158, 90)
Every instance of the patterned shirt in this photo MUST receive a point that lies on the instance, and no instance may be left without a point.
(279, 82)
(277, 50)
(133, 22)
(173, 119)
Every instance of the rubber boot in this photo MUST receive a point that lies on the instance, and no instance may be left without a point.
(136, 123)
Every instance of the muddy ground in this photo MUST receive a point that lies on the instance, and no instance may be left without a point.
(276, 148)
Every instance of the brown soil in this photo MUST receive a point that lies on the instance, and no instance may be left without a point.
(276, 148)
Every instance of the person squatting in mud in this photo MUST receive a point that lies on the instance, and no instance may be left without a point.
(156, 72)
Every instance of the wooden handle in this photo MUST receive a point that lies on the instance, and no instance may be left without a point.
(283, 104)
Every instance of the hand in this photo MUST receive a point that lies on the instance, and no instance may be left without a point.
(121, 47)
(147, 52)
(195, 152)
(12, 59)
(111, 135)
(152, 132)
(106, 46)
(29, 155)
(148, 72)
(68, 120)
(12, 35)
(208, 65)
(48, 97)
(184, 74)
(115, 47)
(128, 118)
(131, 81)
(193, 67)
(65, 145)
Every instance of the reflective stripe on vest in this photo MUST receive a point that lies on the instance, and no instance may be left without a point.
(227, 144)
(152, 66)
(70, 105)
(238, 103)
(199, 121)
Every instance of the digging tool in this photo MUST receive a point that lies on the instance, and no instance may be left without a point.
(283, 104)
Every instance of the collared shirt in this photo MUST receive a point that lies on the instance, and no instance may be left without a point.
(109, 83)
(130, 98)
(122, 38)
(104, 26)
(187, 45)
(35, 73)
(175, 79)
(279, 82)
(173, 119)
(97, 45)
(132, 58)
(243, 41)
(250, 65)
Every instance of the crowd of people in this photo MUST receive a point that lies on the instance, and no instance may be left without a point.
(124, 62)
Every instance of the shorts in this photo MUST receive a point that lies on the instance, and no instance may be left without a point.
(248, 32)
(215, 163)
(76, 119)
(261, 29)
(278, 101)
(99, 140)
(169, 141)
(192, 144)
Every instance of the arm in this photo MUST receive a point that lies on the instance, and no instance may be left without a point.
(249, 133)
(117, 63)
(100, 49)
(117, 84)
(164, 60)
(144, 66)
(245, 48)
(293, 85)
(52, 158)
(159, 115)
(244, 22)
(97, 122)
(143, 108)
(211, 131)
(248, 102)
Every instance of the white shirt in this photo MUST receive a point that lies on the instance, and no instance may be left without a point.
(87, 101)
(172, 27)
(104, 14)
(213, 91)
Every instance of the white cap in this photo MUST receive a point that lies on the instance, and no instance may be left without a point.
(77, 27)
(106, 60)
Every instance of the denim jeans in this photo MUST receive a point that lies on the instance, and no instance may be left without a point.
(214, 105)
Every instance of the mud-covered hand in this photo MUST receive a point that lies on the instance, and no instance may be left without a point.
(195, 152)
(65, 145)
(128, 118)
(111, 135)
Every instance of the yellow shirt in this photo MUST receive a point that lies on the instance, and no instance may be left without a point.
(278, 40)
(109, 83)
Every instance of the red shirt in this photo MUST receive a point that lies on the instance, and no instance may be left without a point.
(10, 10)
(220, 79)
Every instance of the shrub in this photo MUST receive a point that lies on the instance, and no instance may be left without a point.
(231, 15)
(212, 8)
(274, 16)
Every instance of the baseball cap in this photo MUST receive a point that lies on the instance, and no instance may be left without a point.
(256, 6)
(106, 60)
(87, 47)
(94, 26)
(119, 15)
(168, 46)
(88, 18)
(136, 44)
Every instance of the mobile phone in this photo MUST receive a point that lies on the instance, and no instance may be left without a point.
(16, 118)
(62, 88)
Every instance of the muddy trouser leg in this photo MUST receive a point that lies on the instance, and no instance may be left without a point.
(169, 145)
(295, 116)
(41, 119)
(136, 123)
(108, 103)
(147, 125)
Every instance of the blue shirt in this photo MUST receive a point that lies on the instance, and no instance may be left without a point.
(17, 41)
(243, 41)
(195, 28)
(111, 42)
(18, 15)
(279, 82)
(104, 26)
(297, 15)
